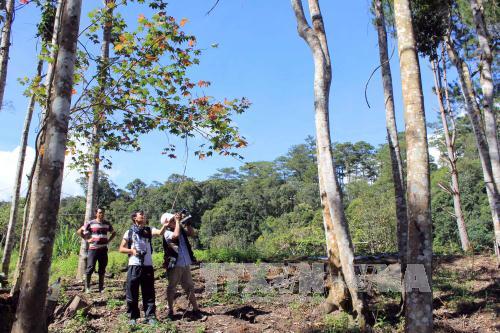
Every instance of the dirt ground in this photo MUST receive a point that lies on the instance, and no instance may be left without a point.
(466, 299)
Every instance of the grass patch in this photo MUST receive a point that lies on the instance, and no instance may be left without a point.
(117, 262)
(63, 267)
(457, 289)
(200, 329)
(222, 298)
(227, 255)
(12, 265)
(77, 324)
(158, 259)
(123, 325)
(339, 323)
(159, 327)
(114, 303)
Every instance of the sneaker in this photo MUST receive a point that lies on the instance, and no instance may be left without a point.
(199, 315)
(152, 321)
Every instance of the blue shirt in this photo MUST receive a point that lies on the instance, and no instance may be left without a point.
(183, 259)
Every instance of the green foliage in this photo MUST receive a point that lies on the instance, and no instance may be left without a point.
(339, 323)
(117, 262)
(355, 161)
(4, 221)
(64, 267)
(249, 254)
(114, 303)
(271, 210)
(135, 187)
(222, 298)
(160, 327)
(145, 86)
(457, 286)
(200, 329)
(372, 217)
(107, 191)
(430, 21)
(46, 25)
(295, 234)
(473, 197)
(67, 242)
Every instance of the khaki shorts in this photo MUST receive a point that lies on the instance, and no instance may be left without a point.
(180, 275)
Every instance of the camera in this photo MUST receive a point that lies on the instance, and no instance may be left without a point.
(185, 217)
(140, 254)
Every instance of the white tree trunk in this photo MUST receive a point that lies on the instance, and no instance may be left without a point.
(486, 80)
(5, 46)
(93, 178)
(392, 137)
(489, 109)
(35, 170)
(48, 188)
(418, 303)
(451, 155)
(482, 146)
(9, 240)
(330, 191)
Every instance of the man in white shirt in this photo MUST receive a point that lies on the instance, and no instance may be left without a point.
(178, 258)
(136, 243)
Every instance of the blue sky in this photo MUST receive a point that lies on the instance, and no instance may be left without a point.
(260, 56)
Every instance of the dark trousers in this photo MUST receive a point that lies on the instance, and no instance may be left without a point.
(140, 276)
(97, 256)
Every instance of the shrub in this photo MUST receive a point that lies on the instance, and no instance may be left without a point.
(250, 254)
(67, 242)
(339, 322)
(63, 267)
(117, 262)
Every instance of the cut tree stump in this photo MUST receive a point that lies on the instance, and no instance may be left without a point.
(67, 311)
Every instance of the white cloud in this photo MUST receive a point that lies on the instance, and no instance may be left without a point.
(8, 165)
(436, 154)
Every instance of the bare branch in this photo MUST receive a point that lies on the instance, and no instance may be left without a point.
(444, 188)
(213, 7)
(303, 27)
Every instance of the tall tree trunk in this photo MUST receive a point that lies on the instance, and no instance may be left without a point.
(30, 197)
(418, 302)
(331, 195)
(48, 188)
(451, 155)
(9, 241)
(486, 80)
(93, 178)
(487, 86)
(392, 137)
(5, 46)
(482, 145)
(338, 295)
(14, 291)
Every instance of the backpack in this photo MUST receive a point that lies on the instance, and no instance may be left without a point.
(171, 251)
(149, 235)
(170, 254)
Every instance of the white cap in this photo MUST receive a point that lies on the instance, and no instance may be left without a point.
(166, 217)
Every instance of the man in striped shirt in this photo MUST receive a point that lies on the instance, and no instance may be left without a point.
(96, 233)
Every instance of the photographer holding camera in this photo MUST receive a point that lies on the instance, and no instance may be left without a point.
(136, 243)
(178, 257)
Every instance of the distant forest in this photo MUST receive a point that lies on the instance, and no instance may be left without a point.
(272, 210)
